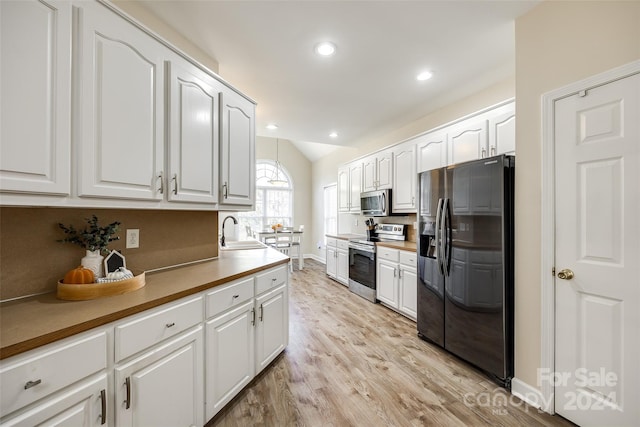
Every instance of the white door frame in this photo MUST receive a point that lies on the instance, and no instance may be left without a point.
(547, 280)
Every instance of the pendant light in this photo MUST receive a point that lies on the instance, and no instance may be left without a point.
(277, 180)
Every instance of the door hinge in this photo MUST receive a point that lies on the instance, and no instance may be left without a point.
(553, 271)
(582, 93)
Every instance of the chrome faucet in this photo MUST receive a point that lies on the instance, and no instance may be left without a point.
(235, 221)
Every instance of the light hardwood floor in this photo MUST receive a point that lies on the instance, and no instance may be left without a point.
(353, 363)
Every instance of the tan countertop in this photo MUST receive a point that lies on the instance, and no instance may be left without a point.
(35, 321)
(403, 246)
(346, 236)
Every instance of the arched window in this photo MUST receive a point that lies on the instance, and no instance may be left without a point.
(274, 197)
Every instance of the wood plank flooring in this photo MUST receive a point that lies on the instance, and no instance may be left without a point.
(353, 363)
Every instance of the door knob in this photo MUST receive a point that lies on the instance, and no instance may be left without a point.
(565, 274)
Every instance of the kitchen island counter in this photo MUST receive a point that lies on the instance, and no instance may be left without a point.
(31, 322)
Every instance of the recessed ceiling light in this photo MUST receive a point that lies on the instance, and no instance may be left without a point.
(325, 49)
(333, 135)
(425, 75)
(272, 126)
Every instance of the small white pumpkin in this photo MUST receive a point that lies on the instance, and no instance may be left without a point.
(120, 274)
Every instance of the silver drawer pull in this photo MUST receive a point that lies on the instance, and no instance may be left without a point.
(236, 296)
(169, 325)
(30, 384)
(274, 279)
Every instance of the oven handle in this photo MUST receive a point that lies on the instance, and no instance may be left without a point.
(363, 248)
(437, 231)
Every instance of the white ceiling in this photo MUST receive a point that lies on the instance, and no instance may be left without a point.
(265, 49)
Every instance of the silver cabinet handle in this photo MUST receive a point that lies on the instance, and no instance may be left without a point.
(236, 296)
(30, 384)
(484, 153)
(394, 272)
(161, 190)
(225, 190)
(253, 317)
(175, 183)
(261, 313)
(170, 325)
(103, 406)
(493, 150)
(127, 384)
(399, 273)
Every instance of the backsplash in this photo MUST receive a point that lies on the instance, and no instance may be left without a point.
(32, 261)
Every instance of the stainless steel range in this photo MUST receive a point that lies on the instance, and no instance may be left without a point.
(362, 258)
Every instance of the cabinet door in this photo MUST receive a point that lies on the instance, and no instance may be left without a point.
(432, 151)
(385, 169)
(272, 325)
(369, 174)
(387, 283)
(342, 270)
(229, 356)
(468, 141)
(408, 303)
(344, 189)
(355, 184)
(163, 386)
(83, 405)
(332, 262)
(35, 65)
(404, 180)
(120, 117)
(193, 135)
(238, 167)
(502, 130)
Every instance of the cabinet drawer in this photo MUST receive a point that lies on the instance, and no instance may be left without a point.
(388, 254)
(50, 369)
(332, 242)
(270, 279)
(145, 331)
(408, 258)
(343, 244)
(227, 296)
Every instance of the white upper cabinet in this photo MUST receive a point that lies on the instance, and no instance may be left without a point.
(502, 130)
(468, 141)
(238, 162)
(355, 186)
(194, 103)
(35, 75)
(432, 150)
(377, 171)
(403, 198)
(120, 116)
(344, 189)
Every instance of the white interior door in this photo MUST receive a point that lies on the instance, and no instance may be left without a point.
(597, 361)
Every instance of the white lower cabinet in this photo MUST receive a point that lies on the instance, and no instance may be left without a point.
(164, 386)
(272, 325)
(397, 281)
(337, 261)
(174, 365)
(83, 405)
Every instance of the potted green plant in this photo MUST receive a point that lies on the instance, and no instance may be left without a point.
(94, 239)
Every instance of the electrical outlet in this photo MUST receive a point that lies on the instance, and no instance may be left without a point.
(133, 238)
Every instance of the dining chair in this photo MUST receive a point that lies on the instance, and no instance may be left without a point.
(283, 242)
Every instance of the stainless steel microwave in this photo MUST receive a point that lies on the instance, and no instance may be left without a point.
(376, 203)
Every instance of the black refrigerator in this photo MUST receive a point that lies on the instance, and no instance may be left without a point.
(465, 262)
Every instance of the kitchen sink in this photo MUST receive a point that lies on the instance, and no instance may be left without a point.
(242, 244)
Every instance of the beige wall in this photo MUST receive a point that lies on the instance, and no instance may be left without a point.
(557, 43)
(325, 170)
(142, 15)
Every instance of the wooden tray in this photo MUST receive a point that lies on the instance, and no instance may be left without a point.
(89, 291)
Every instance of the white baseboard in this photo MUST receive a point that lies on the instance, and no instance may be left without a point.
(531, 395)
(314, 257)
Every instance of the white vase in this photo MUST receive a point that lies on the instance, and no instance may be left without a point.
(93, 261)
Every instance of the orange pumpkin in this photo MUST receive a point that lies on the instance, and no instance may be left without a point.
(78, 276)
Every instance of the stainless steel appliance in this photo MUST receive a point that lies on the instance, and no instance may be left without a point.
(362, 258)
(376, 203)
(465, 262)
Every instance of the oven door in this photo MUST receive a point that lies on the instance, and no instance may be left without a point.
(362, 266)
